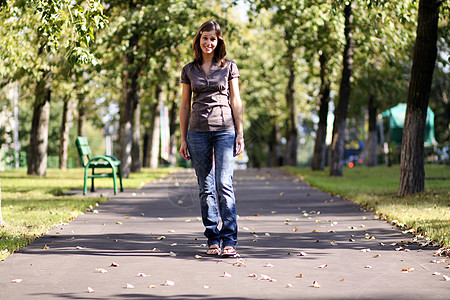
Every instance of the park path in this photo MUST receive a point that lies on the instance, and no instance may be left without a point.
(154, 239)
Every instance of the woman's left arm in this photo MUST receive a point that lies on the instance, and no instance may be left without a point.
(236, 106)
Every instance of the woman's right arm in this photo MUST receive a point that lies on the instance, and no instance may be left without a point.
(185, 111)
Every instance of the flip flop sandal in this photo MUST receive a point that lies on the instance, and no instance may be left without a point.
(229, 252)
(213, 250)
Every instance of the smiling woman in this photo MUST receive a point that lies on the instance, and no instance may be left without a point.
(213, 132)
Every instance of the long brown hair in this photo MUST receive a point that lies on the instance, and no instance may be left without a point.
(219, 53)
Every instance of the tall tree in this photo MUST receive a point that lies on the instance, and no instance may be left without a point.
(318, 160)
(340, 119)
(412, 175)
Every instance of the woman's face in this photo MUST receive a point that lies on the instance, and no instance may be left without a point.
(208, 42)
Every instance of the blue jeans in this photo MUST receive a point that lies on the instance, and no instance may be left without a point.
(208, 149)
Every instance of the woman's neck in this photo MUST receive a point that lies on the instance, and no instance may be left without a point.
(208, 58)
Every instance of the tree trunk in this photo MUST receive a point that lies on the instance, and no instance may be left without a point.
(37, 156)
(318, 160)
(173, 125)
(292, 134)
(136, 153)
(156, 130)
(81, 114)
(274, 158)
(340, 113)
(128, 104)
(412, 174)
(371, 145)
(64, 133)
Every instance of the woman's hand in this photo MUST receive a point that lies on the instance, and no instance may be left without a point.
(184, 151)
(239, 144)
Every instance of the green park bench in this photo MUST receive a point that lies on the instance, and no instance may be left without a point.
(97, 162)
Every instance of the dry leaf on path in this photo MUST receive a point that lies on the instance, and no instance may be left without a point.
(316, 284)
(252, 275)
(169, 283)
(113, 264)
(268, 265)
(227, 275)
(322, 266)
(90, 290)
(129, 286)
(142, 275)
(172, 253)
(288, 285)
(16, 280)
(303, 254)
(101, 270)
(368, 267)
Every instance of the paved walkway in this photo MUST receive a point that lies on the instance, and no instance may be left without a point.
(155, 239)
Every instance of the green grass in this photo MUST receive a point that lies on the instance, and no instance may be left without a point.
(32, 205)
(376, 189)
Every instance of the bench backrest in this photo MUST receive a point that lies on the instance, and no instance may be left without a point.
(83, 150)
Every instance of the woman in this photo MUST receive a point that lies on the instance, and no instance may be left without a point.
(213, 132)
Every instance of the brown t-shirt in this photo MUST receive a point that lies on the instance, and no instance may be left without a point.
(211, 110)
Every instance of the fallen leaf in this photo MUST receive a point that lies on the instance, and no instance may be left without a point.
(295, 229)
(227, 275)
(252, 275)
(16, 280)
(114, 264)
(407, 270)
(300, 275)
(264, 277)
(288, 285)
(282, 194)
(267, 234)
(188, 220)
(153, 250)
(256, 215)
(142, 275)
(130, 286)
(273, 212)
(119, 223)
(316, 284)
(90, 290)
(45, 247)
(342, 279)
(173, 244)
(365, 250)
(333, 243)
(172, 253)
(273, 280)
(351, 240)
(446, 278)
(169, 283)
(101, 270)
(171, 231)
(245, 228)
(303, 254)
(152, 286)
(160, 219)
(368, 267)
(268, 265)
(206, 286)
(315, 230)
(436, 273)
(79, 247)
(198, 256)
(377, 255)
(161, 238)
(322, 266)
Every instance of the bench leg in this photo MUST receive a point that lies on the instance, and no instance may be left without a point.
(85, 181)
(120, 178)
